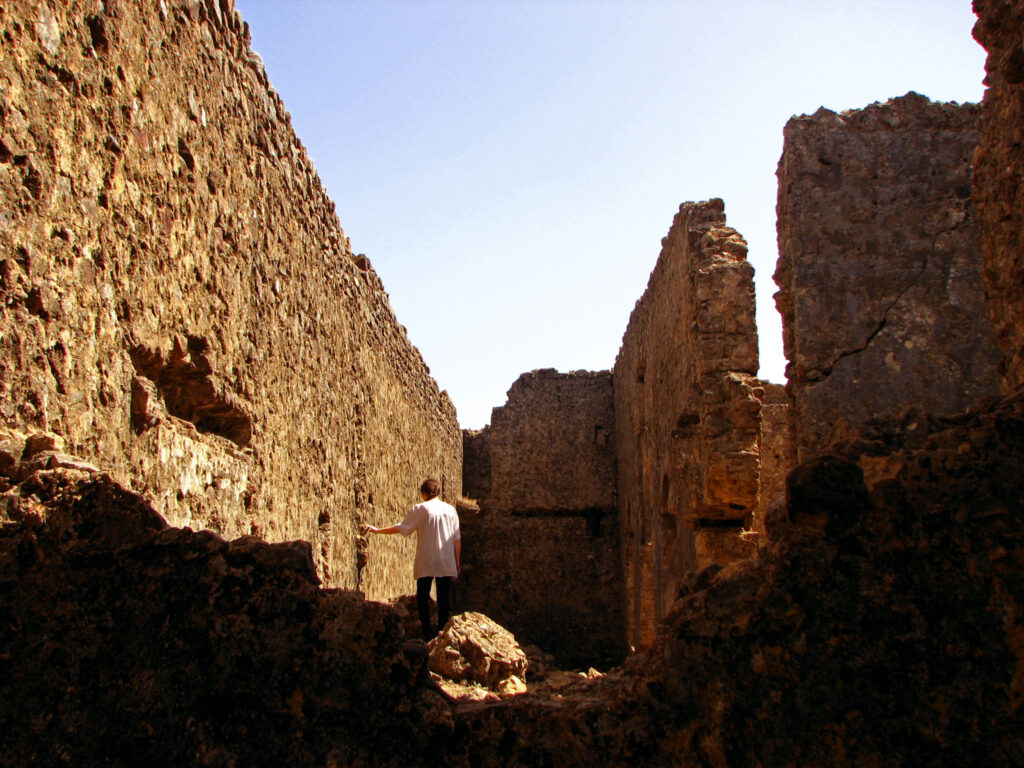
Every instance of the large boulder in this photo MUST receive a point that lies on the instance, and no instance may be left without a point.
(473, 648)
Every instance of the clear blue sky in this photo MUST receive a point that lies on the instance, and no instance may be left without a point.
(511, 167)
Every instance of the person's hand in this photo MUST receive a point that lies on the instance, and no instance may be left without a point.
(370, 529)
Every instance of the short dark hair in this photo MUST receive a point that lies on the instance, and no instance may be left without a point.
(431, 487)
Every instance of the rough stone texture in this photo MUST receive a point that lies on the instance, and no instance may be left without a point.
(179, 302)
(882, 625)
(541, 556)
(127, 642)
(884, 628)
(879, 627)
(776, 453)
(473, 647)
(880, 289)
(687, 415)
(998, 173)
(550, 445)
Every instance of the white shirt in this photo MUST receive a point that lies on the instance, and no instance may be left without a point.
(437, 529)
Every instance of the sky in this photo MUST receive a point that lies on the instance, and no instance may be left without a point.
(510, 167)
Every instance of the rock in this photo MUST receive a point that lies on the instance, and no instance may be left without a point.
(826, 495)
(41, 301)
(225, 650)
(539, 662)
(409, 615)
(474, 648)
(147, 408)
(39, 442)
(12, 448)
(47, 29)
(885, 632)
(56, 460)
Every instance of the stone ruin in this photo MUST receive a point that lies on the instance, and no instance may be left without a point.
(687, 416)
(829, 575)
(642, 475)
(541, 550)
(880, 290)
(998, 162)
(879, 275)
(181, 305)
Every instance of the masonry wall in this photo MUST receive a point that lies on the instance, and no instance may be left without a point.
(879, 282)
(687, 415)
(179, 303)
(998, 173)
(776, 454)
(541, 556)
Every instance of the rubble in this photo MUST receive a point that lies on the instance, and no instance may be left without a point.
(472, 647)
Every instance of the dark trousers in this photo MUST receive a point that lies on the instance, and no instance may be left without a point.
(444, 603)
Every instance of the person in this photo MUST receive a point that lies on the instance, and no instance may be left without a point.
(438, 552)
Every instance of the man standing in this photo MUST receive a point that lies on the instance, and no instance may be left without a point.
(438, 552)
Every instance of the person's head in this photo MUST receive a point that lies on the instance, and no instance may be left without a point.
(430, 488)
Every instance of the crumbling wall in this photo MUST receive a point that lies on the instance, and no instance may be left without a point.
(179, 302)
(998, 174)
(687, 415)
(541, 556)
(878, 627)
(128, 642)
(776, 453)
(879, 284)
(881, 626)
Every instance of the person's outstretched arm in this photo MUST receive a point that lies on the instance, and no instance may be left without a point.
(389, 529)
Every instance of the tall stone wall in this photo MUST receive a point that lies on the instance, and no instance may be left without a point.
(879, 283)
(541, 557)
(179, 303)
(776, 454)
(687, 415)
(998, 174)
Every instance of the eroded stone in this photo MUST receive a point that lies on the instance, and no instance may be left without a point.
(474, 647)
(880, 288)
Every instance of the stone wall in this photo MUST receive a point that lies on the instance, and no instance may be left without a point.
(880, 627)
(127, 642)
(179, 302)
(776, 453)
(687, 415)
(998, 174)
(880, 289)
(541, 557)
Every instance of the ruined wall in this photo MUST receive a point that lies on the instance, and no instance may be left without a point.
(687, 414)
(776, 455)
(998, 174)
(541, 557)
(180, 304)
(880, 289)
(127, 642)
(878, 627)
